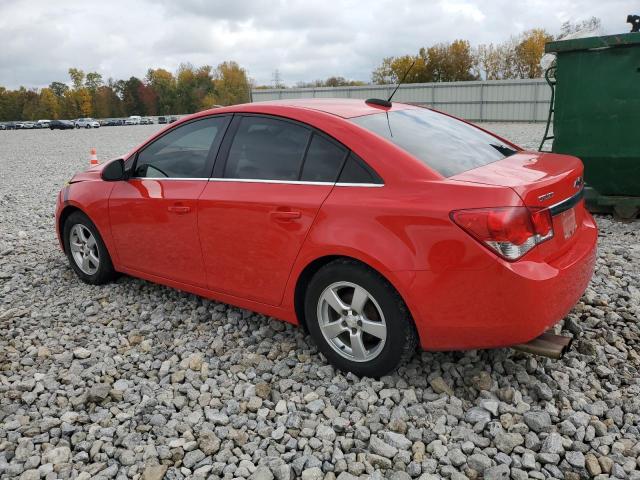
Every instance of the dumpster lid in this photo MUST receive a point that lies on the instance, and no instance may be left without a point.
(589, 43)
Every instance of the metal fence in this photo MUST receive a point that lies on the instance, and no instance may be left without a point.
(488, 101)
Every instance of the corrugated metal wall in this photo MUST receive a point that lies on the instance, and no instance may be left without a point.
(493, 100)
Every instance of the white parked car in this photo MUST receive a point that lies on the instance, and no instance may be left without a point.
(43, 123)
(133, 120)
(87, 123)
(146, 121)
(28, 125)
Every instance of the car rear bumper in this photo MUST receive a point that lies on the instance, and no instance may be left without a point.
(505, 304)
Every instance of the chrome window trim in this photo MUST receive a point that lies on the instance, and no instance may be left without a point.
(367, 185)
(204, 179)
(259, 180)
(293, 182)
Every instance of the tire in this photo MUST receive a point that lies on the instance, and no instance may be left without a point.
(381, 320)
(77, 228)
(87, 127)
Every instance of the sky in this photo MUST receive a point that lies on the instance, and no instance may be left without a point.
(304, 40)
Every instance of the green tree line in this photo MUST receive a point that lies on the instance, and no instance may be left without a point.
(161, 92)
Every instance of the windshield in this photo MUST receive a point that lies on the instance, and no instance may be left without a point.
(443, 143)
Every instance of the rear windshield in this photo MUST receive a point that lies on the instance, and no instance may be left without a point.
(445, 144)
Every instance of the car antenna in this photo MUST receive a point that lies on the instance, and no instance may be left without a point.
(387, 102)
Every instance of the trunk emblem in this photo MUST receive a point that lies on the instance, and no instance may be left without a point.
(546, 196)
(578, 183)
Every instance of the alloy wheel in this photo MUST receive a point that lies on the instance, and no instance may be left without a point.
(352, 321)
(84, 249)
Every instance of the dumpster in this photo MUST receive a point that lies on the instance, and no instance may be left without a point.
(596, 116)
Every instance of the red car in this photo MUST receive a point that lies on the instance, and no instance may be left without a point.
(376, 227)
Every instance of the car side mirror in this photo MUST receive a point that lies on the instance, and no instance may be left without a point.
(114, 171)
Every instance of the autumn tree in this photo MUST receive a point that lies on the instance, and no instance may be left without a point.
(93, 81)
(529, 51)
(58, 88)
(231, 84)
(393, 69)
(48, 105)
(164, 84)
(131, 98)
(77, 77)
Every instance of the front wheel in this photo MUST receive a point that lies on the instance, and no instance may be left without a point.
(86, 252)
(358, 320)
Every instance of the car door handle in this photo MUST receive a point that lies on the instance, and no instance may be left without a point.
(285, 215)
(179, 209)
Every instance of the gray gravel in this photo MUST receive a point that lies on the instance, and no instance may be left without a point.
(135, 380)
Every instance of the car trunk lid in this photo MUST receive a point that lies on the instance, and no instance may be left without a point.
(541, 180)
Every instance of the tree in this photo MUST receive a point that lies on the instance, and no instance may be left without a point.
(393, 69)
(231, 84)
(164, 84)
(58, 88)
(49, 106)
(93, 81)
(77, 77)
(192, 87)
(131, 99)
(529, 51)
(148, 98)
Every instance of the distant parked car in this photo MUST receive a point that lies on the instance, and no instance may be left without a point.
(104, 122)
(61, 125)
(146, 121)
(10, 125)
(133, 120)
(87, 123)
(162, 119)
(3, 126)
(172, 119)
(28, 125)
(43, 123)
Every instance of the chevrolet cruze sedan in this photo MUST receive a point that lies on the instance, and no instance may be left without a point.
(376, 227)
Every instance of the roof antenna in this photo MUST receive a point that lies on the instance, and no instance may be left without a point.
(387, 102)
(402, 81)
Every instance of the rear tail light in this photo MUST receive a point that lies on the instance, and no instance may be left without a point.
(509, 231)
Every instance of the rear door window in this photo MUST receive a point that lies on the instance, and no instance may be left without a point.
(357, 171)
(267, 149)
(447, 145)
(323, 160)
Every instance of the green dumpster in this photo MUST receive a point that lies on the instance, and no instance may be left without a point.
(596, 116)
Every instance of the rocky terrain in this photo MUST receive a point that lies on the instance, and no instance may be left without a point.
(135, 380)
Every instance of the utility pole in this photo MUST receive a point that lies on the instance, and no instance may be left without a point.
(277, 80)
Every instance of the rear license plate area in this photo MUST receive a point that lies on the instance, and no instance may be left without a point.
(568, 221)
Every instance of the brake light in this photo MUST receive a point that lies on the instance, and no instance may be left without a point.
(509, 231)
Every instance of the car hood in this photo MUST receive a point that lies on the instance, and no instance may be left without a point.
(90, 175)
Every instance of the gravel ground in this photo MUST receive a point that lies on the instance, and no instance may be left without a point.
(135, 380)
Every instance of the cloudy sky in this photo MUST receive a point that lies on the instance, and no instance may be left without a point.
(304, 40)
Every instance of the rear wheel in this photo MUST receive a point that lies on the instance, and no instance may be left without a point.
(86, 251)
(358, 320)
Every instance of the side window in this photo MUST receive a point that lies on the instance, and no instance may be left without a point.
(183, 152)
(356, 171)
(323, 161)
(267, 149)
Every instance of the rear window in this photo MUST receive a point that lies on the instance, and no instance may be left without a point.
(445, 144)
